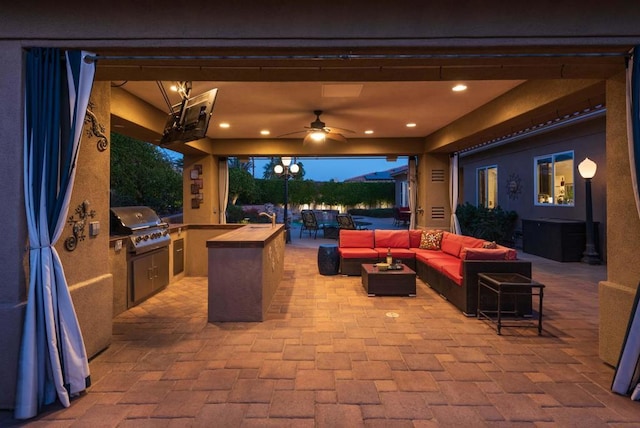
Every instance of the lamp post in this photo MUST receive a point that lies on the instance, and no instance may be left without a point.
(286, 170)
(587, 169)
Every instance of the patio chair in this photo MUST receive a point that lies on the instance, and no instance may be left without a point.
(345, 221)
(396, 216)
(309, 223)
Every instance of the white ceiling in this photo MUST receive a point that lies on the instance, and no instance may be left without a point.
(284, 107)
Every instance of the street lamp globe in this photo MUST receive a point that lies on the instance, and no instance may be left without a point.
(587, 168)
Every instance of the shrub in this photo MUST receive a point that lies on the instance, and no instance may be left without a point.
(493, 224)
(235, 214)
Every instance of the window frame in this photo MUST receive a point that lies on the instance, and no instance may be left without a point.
(485, 191)
(552, 185)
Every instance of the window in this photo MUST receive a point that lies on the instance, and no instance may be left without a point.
(487, 186)
(554, 179)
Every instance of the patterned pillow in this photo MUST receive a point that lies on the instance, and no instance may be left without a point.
(491, 245)
(431, 239)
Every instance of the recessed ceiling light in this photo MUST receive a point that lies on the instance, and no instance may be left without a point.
(411, 125)
(225, 125)
(369, 131)
(459, 88)
(265, 132)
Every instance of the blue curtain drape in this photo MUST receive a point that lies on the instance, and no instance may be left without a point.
(53, 362)
(627, 375)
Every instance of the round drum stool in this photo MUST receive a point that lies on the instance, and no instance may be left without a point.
(328, 259)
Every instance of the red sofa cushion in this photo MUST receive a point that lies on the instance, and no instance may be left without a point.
(451, 243)
(358, 253)
(483, 254)
(400, 253)
(391, 238)
(415, 235)
(511, 253)
(454, 271)
(425, 255)
(356, 238)
(471, 242)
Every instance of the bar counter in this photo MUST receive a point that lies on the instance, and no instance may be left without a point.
(245, 267)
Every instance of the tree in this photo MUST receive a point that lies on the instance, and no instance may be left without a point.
(142, 174)
(235, 162)
(241, 185)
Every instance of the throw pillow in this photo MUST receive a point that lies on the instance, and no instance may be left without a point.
(491, 245)
(431, 239)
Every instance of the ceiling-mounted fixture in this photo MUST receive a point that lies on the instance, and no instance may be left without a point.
(318, 132)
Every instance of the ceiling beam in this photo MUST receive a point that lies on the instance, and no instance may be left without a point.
(519, 108)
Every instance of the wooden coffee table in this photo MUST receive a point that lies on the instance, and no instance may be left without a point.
(390, 282)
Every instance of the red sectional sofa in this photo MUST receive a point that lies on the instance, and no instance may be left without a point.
(446, 262)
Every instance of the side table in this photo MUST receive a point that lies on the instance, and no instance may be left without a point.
(505, 286)
(328, 259)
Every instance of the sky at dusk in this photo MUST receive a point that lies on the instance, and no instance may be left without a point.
(326, 169)
(338, 169)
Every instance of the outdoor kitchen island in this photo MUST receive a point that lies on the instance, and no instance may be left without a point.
(245, 269)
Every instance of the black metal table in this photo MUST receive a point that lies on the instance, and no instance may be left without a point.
(505, 286)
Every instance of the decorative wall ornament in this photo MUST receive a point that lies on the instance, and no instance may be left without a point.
(96, 129)
(514, 186)
(83, 213)
(197, 196)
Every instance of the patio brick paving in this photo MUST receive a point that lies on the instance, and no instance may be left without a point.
(328, 355)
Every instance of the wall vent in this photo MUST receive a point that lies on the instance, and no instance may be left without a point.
(437, 175)
(437, 213)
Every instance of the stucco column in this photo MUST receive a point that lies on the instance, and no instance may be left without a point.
(206, 210)
(616, 295)
(433, 191)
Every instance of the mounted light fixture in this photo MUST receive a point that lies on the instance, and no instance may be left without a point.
(318, 136)
(587, 169)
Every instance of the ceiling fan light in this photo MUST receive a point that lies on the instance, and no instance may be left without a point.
(317, 136)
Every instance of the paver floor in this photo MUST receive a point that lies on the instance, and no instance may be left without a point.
(329, 356)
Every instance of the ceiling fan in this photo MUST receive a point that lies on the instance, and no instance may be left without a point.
(318, 132)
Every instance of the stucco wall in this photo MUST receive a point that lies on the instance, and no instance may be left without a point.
(623, 229)
(586, 139)
(87, 267)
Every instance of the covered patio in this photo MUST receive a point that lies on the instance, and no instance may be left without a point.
(328, 355)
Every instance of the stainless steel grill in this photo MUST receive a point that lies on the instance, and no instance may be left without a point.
(147, 247)
(144, 229)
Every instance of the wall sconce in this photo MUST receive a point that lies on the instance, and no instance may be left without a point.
(587, 169)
